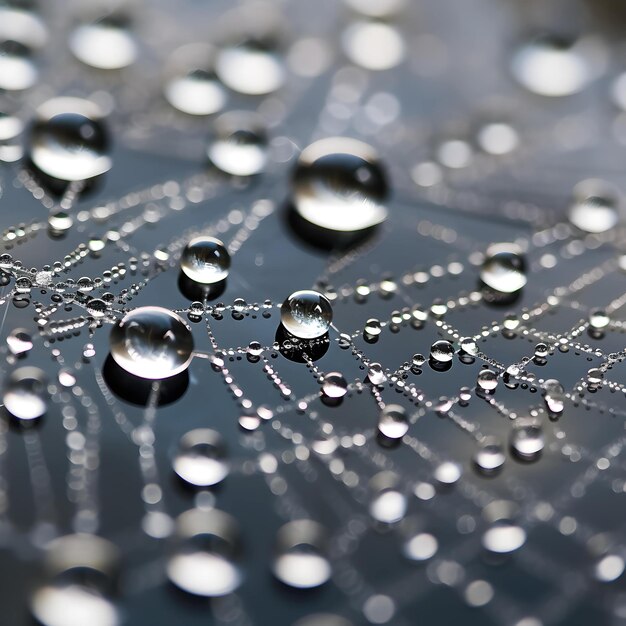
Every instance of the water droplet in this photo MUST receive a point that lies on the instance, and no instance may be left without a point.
(334, 385)
(541, 350)
(504, 268)
(105, 44)
(498, 138)
(25, 393)
(388, 506)
(554, 396)
(487, 380)
(152, 342)
(19, 341)
(468, 344)
(205, 260)
(489, 457)
(251, 66)
(393, 422)
(376, 374)
(60, 222)
(96, 307)
(595, 376)
(17, 69)
(372, 328)
(240, 144)
(442, 351)
(595, 207)
(306, 314)
(609, 568)
(301, 560)
(191, 85)
(68, 140)
(527, 440)
(504, 537)
(552, 66)
(373, 45)
(421, 547)
(201, 458)
(249, 422)
(447, 473)
(203, 560)
(339, 185)
(598, 319)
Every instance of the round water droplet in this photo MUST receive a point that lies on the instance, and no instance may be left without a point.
(19, 341)
(393, 422)
(442, 351)
(339, 185)
(106, 44)
(17, 69)
(191, 85)
(447, 473)
(152, 342)
(504, 268)
(68, 140)
(81, 570)
(203, 561)
(251, 66)
(421, 547)
(468, 344)
(596, 206)
(504, 537)
(96, 307)
(249, 422)
(542, 350)
(26, 393)
(306, 314)
(489, 457)
(554, 396)
(487, 380)
(388, 506)
(201, 458)
(527, 440)
(595, 376)
(609, 568)
(373, 45)
(240, 144)
(205, 260)
(553, 66)
(334, 385)
(376, 374)
(301, 560)
(598, 319)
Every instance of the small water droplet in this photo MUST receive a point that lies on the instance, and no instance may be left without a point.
(442, 351)
(334, 385)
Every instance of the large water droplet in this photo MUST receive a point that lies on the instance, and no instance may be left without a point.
(393, 421)
(240, 144)
(105, 44)
(504, 537)
(335, 385)
(595, 207)
(301, 559)
(68, 140)
(17, 69)
(200, 459)
(442, 351)
(306, 314)
(25, 393)
(504, 268)
(205, 260)
(527, 440)
(489, 457)
(152, 342)
(203, 560)
(339, 185)
(191, 85)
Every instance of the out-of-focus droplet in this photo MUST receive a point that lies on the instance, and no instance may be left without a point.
(447, 473)
(504, 268)
(25, 393)
(498, 138)
(19, 341)
(489, 457)
(527, 440)
(17, 67)
(420, 547)
(152, 342)
(596, 206)
(554, 396)
(504, 537)
(373, 45)
(201, 458)
(393, 421)
(339, 185)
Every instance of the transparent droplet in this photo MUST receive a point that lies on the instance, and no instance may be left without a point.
(60, 222)
(152, 342)
(306, 314)
(498, 138)
(447, 473)
(201, 458)
(97, 307)
(468, 344)
(301, 560)
(373, 327)
(598, 319)
(17, 68)
(541, 350)
(105, 44)
(421, 547)
(609, 568)
(203, 560)
(373, 45)
(393, 421)
(504, 537)
(376, 374)
(554, 396)
(334, 385)
(25, 393)
(339, 185)
(388, 506)
(239, 147)
(487, 380)
(191, 85)
(252, 66)
(205, 260)
(489, 457)
(19, 341)
(249, 422)
(442, 351)
(68, 140)
(527, 441)
(504, 268)
(595, 376)
(552, 66)
(595, 207)
(418, 360)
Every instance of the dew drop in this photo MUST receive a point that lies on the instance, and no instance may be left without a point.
(393, 422)
(205, 260)
(201, 458)
(489, 457)
(595, 206)
(598, 319)
(373, 45)
(504, 268)
(152, 342)
(334, 385)
(25, 393)
(487, 380)
(339, 185)
(554, 396)
(68, 140)
(376, 374)
(19, 341)
(504, 537)
(527, 441)
(388, 506)
(447, 473)
(421, 547)
(306, 314)
(442, 351)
